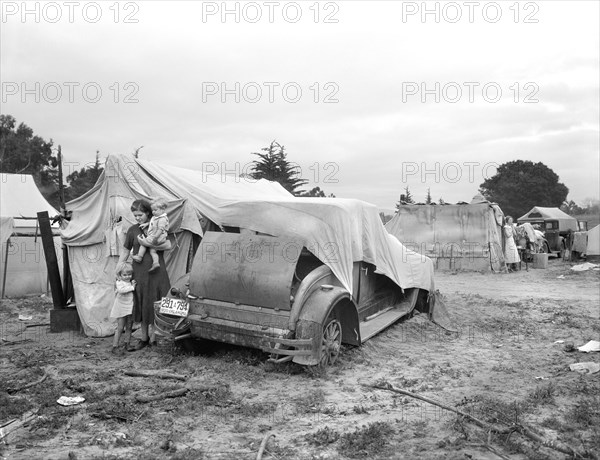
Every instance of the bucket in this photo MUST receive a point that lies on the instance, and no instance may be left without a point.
(540, 260)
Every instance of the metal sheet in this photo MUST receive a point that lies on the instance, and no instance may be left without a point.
(245, 268)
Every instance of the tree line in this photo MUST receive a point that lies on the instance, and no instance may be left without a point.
(22, 152)
(516, 187)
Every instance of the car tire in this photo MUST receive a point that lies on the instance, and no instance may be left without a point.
(331, 341)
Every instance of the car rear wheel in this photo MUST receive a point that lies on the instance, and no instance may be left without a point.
(331, 342)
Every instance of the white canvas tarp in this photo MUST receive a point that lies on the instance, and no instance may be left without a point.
(23, 255)
(459, 236)
(351, 229)
(593, 241)
(337, 231)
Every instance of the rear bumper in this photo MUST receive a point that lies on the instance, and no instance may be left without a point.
(269, 339)
(281, 343)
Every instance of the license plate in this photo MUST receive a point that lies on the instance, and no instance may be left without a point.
(175, 307)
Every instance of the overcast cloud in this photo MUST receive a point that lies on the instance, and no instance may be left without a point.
(361, 127)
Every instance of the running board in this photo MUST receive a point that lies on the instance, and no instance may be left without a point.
(369, 328)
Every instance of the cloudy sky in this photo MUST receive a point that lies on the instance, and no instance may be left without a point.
(367, 97)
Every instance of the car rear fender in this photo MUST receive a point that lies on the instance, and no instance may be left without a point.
(315, 311)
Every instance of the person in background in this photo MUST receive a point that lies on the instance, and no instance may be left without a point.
(123, 306)
(511, 253)
(150, 287)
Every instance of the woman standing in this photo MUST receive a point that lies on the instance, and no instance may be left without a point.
(150, 287)
(511, 253)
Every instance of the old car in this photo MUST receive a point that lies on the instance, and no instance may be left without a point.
(556, 225)
(280, 295)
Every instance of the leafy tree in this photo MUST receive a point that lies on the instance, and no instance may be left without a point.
(570, 207)
(520, 185)
(441, 201)
(83, 180)
(23, 153)
(428, 199)
(317, 192)
(274, 166)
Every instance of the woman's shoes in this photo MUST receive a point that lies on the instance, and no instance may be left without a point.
(117, 351)
(138, 346)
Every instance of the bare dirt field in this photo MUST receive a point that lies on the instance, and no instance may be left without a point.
(504, 367)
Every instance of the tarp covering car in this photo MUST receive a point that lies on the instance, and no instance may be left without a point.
(337, 231)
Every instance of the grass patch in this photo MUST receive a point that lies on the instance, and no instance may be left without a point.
(13, 406)
(323, 437)
(542, 394)
(36, 357)
(256, 409)
(367, 441)
(585, 413)
(310, 402)
(120, 409)
(494, 410)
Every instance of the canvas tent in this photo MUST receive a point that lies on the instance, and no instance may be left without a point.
(456, 236)
(538, 213)
(593, 242)
(337, 231)
(23, 265)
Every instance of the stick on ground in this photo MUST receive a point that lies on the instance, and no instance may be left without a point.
(263, 445)
(489, 427)
(158, 397)
(29, 385)
(158, 374)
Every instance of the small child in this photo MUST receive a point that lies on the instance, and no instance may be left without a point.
(123, 305)
(157, 234)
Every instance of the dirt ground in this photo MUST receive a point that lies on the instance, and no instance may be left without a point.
(504, 368)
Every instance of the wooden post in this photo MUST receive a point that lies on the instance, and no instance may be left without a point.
(5, 266)
(58, 298)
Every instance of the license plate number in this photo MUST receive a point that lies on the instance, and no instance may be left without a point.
(175, 307)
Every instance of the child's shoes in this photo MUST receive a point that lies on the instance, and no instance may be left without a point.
(154, 268)
(137, 258)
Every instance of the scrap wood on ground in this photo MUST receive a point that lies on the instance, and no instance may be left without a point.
(519, 428)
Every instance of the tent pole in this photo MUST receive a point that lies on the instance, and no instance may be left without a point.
(51, 261)
(5, 266)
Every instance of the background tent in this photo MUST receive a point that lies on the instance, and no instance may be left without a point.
(459, 236)
(23, 265)
(593, 243)
(538, 213)
(336, 231)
